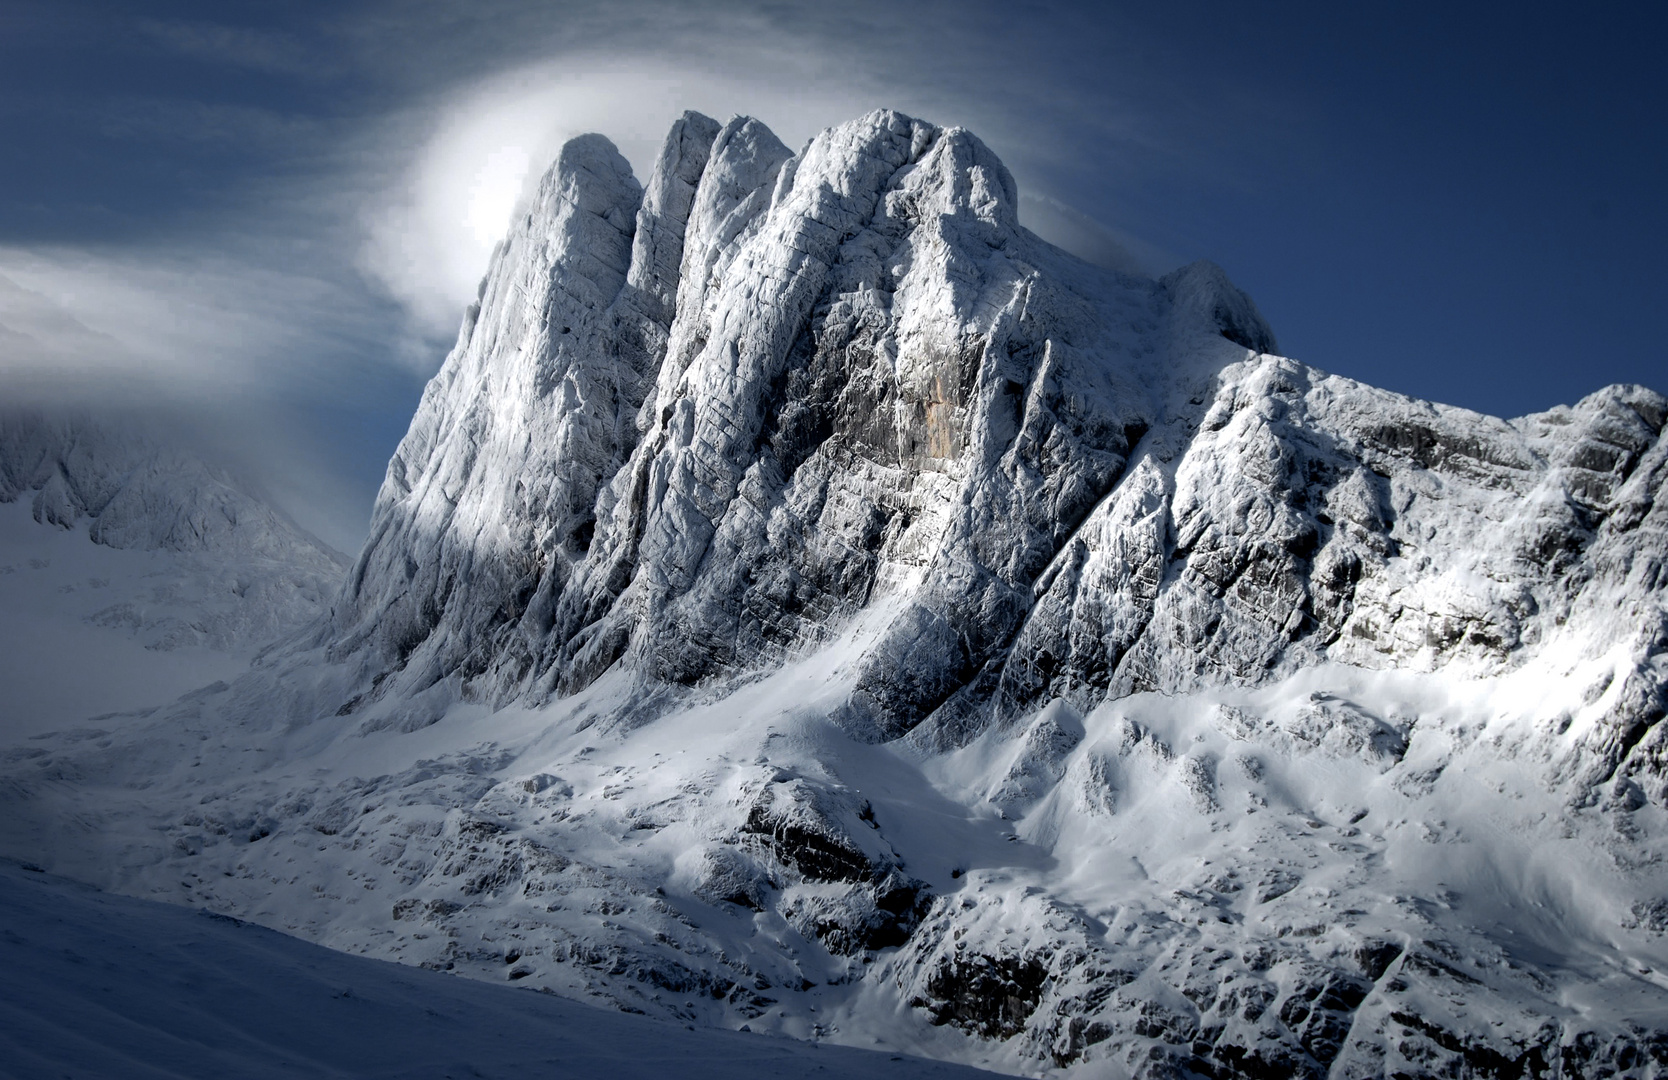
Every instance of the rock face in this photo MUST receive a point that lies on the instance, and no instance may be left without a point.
(899, 629)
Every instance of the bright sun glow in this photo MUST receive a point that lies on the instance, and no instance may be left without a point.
(429, 240)
(493, 194)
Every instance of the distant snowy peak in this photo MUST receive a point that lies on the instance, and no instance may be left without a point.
(139, 491)
(239, 572)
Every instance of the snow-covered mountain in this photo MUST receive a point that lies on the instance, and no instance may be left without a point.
(805, 598)
(131, 570)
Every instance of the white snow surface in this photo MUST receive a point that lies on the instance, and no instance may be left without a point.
(105, 986)
(56, 592)
(805, 599)
(1239, 844)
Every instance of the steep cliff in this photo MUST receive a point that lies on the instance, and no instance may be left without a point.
(861, 374)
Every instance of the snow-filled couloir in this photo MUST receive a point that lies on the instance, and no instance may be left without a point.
(805, 598)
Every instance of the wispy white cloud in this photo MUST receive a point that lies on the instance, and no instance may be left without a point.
(1091, 239)
(257, 49)
(166, 120)
(180, 324)
(241, 358)
(43, 346)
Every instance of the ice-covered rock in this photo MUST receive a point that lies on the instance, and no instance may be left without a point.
(872, 377)
(694, 432)
(806, 598)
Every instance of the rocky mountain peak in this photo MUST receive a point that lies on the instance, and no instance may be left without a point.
(693, 431)
(817, 602)
(698, 428)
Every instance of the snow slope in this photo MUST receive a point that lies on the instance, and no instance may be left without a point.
(102, 986)
(805, 599)
(54, 586)
(1267, 869)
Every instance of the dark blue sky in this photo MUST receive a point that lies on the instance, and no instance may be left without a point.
(1458, 202)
